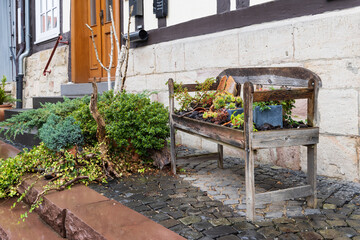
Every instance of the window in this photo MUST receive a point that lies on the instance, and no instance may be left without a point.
(47, 19)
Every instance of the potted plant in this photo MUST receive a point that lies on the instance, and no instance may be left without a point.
(5, 99)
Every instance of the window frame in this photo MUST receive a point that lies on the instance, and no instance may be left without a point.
(53, 32)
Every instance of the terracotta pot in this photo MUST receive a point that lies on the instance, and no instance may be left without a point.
(2, 109)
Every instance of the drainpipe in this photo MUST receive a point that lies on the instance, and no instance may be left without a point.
(20, 77)
(22, 44)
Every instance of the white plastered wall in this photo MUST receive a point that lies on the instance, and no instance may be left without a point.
(178, 11)
(256, 2)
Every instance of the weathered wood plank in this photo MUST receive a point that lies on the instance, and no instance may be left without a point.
(218, 133)
(271, 80)
(285, 138)
(312, 149)
(289, 76)
(249, 159)
(274, 95)
(192, 87)
(311, 174)
(220, 156)
(200, 156)
(171, 124)
(283, 194)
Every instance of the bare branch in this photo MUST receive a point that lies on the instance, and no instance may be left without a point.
(111, 59)
(127, 51)
(96, 52)
(119, 53)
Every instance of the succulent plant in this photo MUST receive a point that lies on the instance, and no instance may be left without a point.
(239, 101)
(231, 105)
(205, 115)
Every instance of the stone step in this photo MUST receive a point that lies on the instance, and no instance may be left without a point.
(27, 139)
(81, 213)
(32, 228)
(81, 89)
(12, 112)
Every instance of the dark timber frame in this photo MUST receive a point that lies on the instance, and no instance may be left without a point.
(305, 86)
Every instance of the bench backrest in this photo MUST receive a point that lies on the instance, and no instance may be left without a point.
(281, 76)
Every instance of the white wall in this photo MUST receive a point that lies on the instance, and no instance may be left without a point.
(256, 2)
(126, 18)
(66, 15)
(150, 20)
(178, 11)
(186, 10)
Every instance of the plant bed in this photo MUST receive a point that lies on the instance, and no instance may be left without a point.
(223, 108)
(264, 127)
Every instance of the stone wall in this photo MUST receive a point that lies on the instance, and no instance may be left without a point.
(38, 85)
(328, 44)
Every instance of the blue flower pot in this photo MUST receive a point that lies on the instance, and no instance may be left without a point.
(271, 116)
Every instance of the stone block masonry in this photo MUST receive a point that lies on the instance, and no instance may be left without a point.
(35, 84)
(328, 44)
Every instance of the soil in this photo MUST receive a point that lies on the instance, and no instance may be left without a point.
(199, 116)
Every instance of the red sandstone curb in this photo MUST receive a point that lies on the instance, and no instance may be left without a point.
(81, 213)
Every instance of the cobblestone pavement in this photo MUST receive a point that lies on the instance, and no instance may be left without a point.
(205, 202)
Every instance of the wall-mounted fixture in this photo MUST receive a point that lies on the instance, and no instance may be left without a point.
(137, 7)
(138, 36)
(160, 8)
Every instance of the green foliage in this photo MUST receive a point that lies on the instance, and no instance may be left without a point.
(264, 105)
(36, 118)
(5, 97)
(231, 106)
(58, 133)
(237, 121)
(203, 97)
(132, 120)
(12, 169)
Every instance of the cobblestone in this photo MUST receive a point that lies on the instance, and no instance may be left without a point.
(208, 203)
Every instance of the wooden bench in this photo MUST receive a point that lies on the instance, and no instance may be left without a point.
(304, 85)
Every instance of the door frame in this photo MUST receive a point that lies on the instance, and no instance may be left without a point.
(79, 45)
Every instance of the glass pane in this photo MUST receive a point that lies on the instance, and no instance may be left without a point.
(108, 3)
(48, 20)
(55, 18)
(93, 12)
(49, 4)
(42, 18)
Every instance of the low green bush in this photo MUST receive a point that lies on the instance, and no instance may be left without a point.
(132, 121)
(58, 133)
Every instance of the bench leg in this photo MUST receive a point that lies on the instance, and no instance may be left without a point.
(172, 150)
(311, 173)
(221, 156)
(250, 185)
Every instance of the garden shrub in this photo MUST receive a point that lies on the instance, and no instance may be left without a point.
(132, 120)
(36, 118)
(58, 133)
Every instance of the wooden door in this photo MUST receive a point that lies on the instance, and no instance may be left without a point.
(100, 20)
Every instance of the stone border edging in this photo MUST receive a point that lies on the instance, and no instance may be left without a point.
(81, 213)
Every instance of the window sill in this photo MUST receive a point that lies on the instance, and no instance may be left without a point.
(46, 38)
